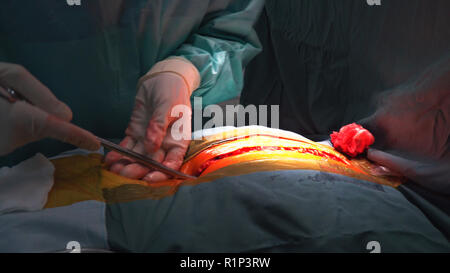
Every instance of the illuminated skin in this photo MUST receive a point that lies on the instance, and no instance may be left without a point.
(262, 147)
(315, 152)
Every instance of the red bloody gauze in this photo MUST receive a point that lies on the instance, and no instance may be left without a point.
(352, 139)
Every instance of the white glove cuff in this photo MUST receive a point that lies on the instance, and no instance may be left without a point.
(179, 66)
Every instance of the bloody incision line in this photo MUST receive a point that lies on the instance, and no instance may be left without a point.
(240, 151)
(260, 135)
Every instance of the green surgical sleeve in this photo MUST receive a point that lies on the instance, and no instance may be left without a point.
(222, 46)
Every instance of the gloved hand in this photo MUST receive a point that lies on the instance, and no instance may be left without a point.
(415, 118)
(413, 122)
(431, 174)
(22, 123)
(154, 129)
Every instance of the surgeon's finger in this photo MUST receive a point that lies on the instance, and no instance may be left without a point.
(173, 160)
(118, 166)
(32, 124)
(113, 156)
(69, 133)
(393, 162)
(117, 161)
(428, 173)
(155, 177)
(18, 78)
(136, 170)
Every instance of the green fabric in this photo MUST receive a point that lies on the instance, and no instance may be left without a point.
(93, 62)
(325, 61)
(283, 211)
(434, 206)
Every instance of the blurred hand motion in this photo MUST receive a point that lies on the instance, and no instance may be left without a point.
(43, 116)
(430, 174)
(415, 117)
(413, 122)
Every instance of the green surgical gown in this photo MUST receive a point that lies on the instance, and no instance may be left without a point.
(91, 55)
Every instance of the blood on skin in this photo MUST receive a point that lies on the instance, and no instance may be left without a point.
(240, 151)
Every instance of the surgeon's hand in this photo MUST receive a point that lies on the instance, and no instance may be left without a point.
(415, 118)
(431, 174)
(151, 129)
(22, 123)
(413, 124)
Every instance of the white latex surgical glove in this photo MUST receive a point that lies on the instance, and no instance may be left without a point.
(157, 129)
(46, 117)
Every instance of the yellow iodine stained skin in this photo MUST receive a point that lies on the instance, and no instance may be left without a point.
(81, 178)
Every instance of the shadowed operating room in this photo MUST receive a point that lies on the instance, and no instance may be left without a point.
(225, 126)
